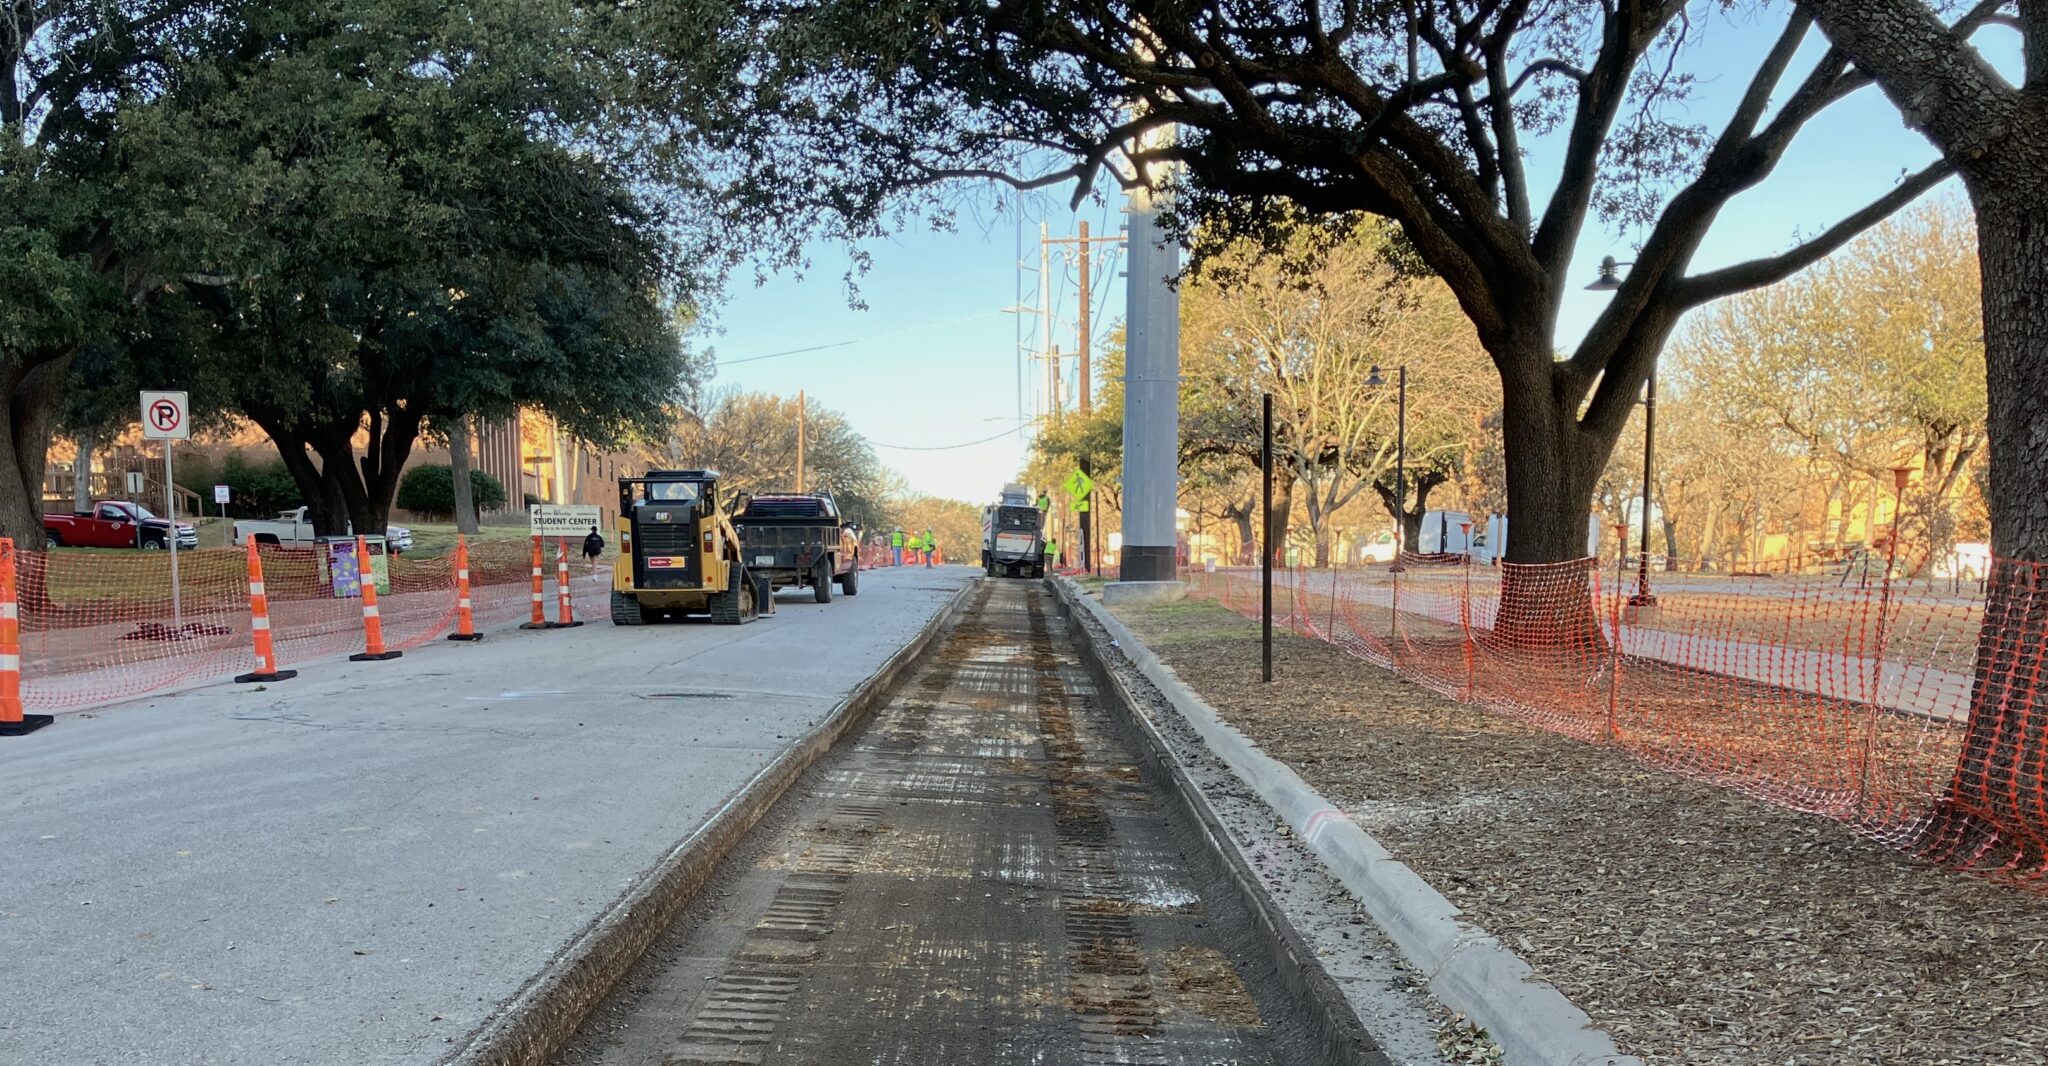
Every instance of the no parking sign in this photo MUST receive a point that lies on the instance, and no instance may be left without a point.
(166, 416)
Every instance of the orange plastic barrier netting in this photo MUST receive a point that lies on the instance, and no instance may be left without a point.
(102, 626)
(1916, 710)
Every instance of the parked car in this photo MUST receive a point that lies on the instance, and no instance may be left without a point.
(294, 528)
(1378, 548)
(115, 524)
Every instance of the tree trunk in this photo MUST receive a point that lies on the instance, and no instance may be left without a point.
(458, 469)
(1283, 507)
(1670, 541)
(2000, 776)
(1553, 466)
(81, 475)
(31, 393)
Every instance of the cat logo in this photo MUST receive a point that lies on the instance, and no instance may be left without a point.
(661, 516)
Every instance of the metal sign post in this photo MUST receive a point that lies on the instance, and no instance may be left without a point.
(220, 498)
(167, 416)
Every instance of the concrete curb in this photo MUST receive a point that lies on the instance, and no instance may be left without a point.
(540, 1019)
(1468, 970)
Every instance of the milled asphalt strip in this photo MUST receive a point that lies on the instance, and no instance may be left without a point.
(1467, 970)
(539, 1020)
(1340, 1032)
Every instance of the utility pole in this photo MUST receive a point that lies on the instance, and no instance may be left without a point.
(799, 440)
(1084, 256)
(1045, 348)
(1086, 298)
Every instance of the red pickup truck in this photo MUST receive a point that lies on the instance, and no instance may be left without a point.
(115, 524)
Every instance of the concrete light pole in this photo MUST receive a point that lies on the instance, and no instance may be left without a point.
(1151, 407)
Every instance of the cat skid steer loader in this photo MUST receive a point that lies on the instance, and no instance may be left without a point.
(679, 555)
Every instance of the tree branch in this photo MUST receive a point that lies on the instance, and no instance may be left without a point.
(1715, 284)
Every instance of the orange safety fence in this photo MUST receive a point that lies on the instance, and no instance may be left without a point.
(99, 626)
(1915, 710)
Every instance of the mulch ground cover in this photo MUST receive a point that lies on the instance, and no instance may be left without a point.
(1693, 923)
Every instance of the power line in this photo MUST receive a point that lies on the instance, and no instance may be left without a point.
(859, 340)
(942, 447)
(792, 351)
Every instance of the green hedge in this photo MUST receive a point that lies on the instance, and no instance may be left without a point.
(430, 490)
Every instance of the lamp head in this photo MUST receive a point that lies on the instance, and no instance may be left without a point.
(1374, 379)
(1610, 276)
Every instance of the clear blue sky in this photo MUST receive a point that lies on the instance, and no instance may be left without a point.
(934, 360)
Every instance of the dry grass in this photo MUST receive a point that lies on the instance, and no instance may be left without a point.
(1694, 924)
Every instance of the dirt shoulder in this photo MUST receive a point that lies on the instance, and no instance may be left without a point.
(1694, 924)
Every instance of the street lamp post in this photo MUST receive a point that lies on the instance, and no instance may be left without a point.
(1374, 380)
(1608, 281)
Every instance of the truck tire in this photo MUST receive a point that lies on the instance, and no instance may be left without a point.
(736, 605)
(988, 564)
(850, 584)
(152, 544)
(626, 610)
(821, 580)
(51, 540)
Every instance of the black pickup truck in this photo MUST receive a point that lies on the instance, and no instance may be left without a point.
(798, 541)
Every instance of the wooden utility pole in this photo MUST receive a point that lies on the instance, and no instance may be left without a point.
(799, 440)
(1084, 249)
(1085, 290)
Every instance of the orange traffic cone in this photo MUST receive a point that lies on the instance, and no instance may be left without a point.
(565, 618)
(465, 619)
(259, 625)
(373, 623)
(13, 722)
(539, 620)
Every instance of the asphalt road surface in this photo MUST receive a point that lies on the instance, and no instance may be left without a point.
(357, 866)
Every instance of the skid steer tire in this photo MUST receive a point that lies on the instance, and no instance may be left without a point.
(626, 610)
(736, 605)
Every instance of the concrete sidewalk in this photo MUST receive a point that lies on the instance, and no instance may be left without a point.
(358, 865)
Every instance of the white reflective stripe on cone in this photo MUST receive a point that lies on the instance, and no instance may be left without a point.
(259, 623)
(255, 588)
(10, 610)
(10, 663)
(369, 610)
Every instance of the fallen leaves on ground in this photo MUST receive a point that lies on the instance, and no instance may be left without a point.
(1696, 925)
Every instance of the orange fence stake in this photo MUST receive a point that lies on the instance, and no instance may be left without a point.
(259, 626)
(465, 619)
(13, 722)
(564, 617)
(539, 620)
(373, 624)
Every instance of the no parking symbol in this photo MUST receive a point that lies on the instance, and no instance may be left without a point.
(166, 416)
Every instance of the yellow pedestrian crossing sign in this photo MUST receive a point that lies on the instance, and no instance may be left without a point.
(1078, 486)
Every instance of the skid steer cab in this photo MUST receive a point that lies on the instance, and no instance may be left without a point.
(678, 554)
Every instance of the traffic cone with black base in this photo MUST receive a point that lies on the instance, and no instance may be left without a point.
(373, 622)
(539, 618)
(259, 627)
(565, 616)
(13, 722)
(465, 618)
